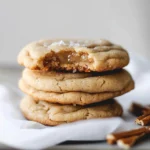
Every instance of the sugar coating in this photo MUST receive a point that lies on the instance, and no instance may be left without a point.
(64, 43)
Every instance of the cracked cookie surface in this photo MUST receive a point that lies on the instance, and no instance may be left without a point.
(73, 55)
(77, 82)
(55, 114)
(80, 98)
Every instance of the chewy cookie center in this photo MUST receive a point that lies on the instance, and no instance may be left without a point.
(53, 59)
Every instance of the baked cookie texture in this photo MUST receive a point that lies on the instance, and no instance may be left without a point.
(80, 98)
(55, 114)
(73, 55)
(72, 80)
(77, 82)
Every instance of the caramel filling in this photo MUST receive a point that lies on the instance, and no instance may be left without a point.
(72, 57)
(65, 57)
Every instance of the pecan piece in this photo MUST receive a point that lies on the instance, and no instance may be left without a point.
(112, 138)
(128, 142)
(138, 109)
(143, 119)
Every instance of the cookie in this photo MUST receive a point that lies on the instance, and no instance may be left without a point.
(80, 98)
(73, 55)
(55, 114)
(77, 82)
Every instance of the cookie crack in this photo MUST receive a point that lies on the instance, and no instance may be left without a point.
(88, 114)
(81, 100)
(59, 86)
(61, 79)
(103, 83)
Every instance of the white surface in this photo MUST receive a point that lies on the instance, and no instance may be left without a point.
(125, 22)
(20, 133)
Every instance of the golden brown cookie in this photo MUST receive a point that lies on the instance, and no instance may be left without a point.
(73, 55)
(80, 98)
(54, 114)
(77, 82)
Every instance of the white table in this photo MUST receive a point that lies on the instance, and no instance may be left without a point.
(12, 75)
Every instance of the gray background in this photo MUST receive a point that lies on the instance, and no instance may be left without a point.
(124, 22)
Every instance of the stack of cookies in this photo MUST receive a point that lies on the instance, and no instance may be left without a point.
(70, 80)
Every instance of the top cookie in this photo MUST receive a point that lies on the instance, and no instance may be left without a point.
(73, 55)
